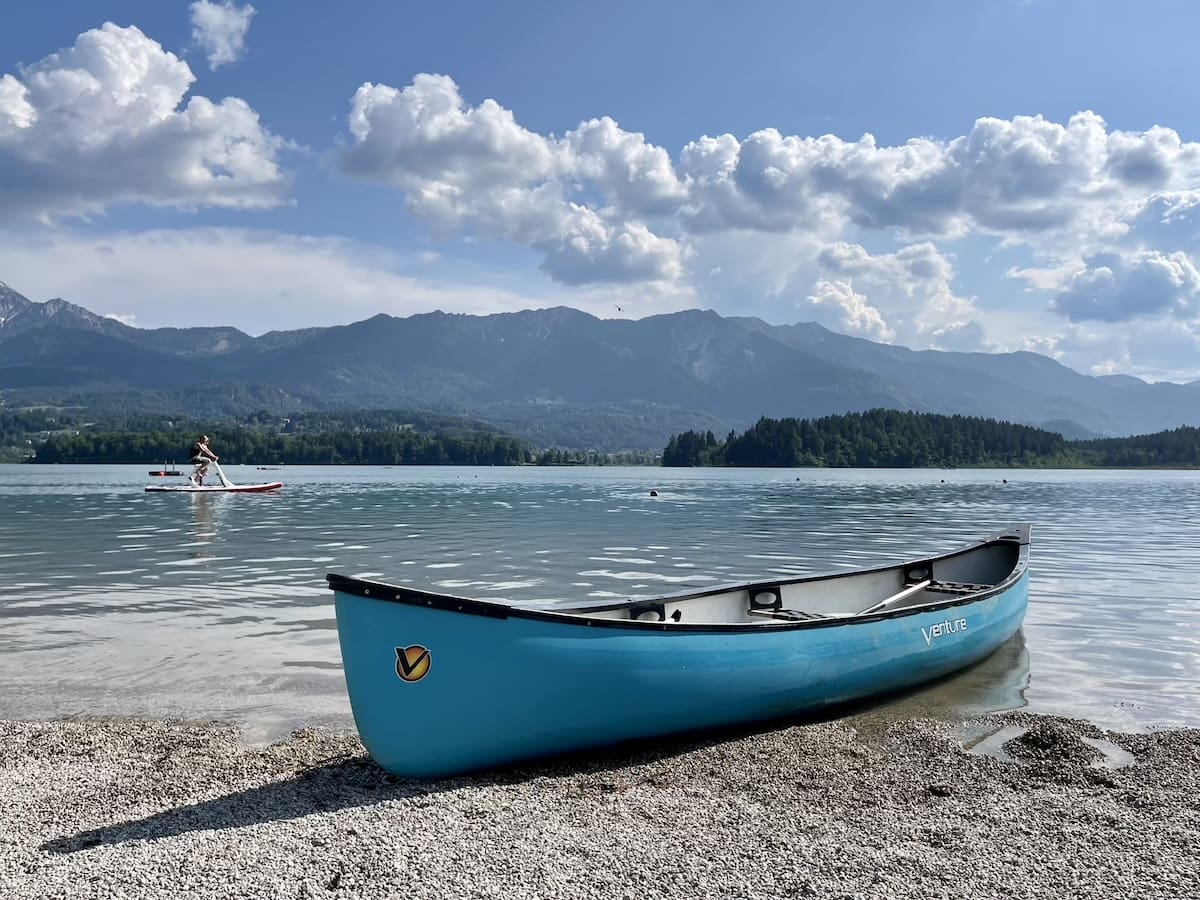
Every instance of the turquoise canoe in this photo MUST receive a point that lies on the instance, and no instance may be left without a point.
(442, 685)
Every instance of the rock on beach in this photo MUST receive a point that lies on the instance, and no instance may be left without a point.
(149, 809)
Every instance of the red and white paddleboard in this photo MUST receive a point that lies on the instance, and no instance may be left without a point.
(225, 487)
(214, 488)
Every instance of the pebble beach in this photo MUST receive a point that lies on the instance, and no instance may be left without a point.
(843, 808)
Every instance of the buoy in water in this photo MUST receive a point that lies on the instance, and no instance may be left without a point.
(654, 493)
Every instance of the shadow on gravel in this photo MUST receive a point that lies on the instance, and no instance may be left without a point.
(356, 781)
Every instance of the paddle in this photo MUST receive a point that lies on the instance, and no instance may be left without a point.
(896, 598)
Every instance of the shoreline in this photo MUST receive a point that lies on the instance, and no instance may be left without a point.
(901, 808)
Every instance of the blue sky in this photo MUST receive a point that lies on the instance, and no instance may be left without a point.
(989, 176)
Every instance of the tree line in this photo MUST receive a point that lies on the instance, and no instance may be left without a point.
(882, 438)
(134, 435)
(877, 438)
(397, 446)
(245, 445)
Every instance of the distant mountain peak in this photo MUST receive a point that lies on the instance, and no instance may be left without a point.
(20, 315)
(12, 304)
(7, 292)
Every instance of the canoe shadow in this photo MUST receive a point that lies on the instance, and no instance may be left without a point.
(327, 787)
(359, 782)
(356, 781)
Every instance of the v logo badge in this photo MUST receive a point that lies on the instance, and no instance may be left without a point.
(412, 663)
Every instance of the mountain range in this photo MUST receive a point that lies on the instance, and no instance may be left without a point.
(560, 376)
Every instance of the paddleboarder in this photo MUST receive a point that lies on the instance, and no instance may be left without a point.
(202, 455)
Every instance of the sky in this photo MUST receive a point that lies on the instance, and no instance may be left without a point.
(989, 176)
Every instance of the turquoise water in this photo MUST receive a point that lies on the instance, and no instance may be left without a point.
(118, 602)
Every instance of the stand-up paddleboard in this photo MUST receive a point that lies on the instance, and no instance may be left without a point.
(225, 487)
(215, 488)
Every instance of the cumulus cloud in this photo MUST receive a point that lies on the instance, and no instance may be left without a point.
(1166, 221)
(1148, 284)
(637, 176)
(15, 108)
(220, 28)
(852, 313)
(913, 288)
(1014, 179)
(476, 167)
(101, 123)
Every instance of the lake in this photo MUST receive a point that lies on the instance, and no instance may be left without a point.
(118, 602)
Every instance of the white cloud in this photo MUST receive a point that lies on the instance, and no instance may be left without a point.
(913, 289)
(1014, 179)
(1147, 284)
(101, 124)
(1166, 221)
(852, 314)
(637, 176)
(1050, 278)
(15, 110)
(475, 167)
(220, 28)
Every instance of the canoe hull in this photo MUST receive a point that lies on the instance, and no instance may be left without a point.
(437, 692)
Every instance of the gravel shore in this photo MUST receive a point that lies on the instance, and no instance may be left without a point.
(150, 809)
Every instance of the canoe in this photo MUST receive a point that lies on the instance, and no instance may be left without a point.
(440, 685)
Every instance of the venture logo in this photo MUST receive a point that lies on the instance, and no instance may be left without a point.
(950, 626)
(412, 663)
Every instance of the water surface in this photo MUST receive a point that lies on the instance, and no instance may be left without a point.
(118, 602)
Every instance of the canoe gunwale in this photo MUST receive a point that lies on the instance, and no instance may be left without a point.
(382, 591)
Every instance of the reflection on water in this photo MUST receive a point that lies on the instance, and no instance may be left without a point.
(113, 601)
(997, 683)
(204, 522)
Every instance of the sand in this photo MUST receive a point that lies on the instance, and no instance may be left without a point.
(148, 809)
